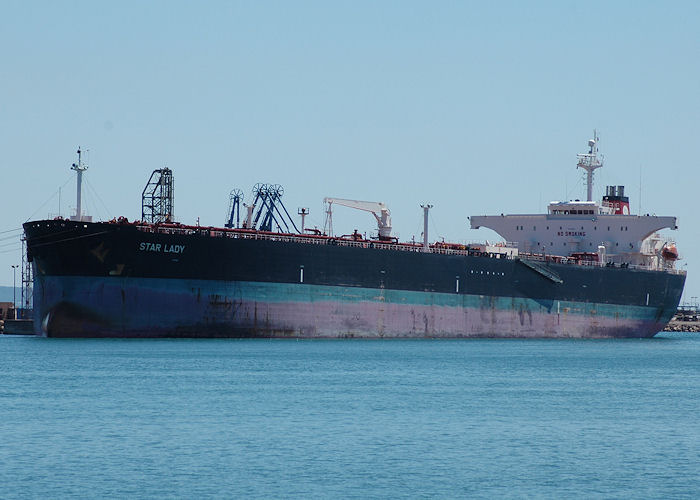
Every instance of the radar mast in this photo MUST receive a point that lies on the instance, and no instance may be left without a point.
(589, 162)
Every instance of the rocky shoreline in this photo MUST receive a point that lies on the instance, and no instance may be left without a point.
(683, 326)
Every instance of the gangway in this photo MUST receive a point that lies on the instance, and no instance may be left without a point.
(543, 270)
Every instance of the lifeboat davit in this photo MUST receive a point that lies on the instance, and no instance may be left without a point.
(669, 252)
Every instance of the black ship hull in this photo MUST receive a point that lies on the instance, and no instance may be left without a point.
(128, 280)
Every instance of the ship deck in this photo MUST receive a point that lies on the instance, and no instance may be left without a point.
(499, 250)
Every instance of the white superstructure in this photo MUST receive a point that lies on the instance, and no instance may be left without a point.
(583, 226)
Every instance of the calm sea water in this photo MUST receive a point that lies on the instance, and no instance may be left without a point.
(350, 418)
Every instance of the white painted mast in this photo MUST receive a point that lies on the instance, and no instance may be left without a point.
(589, 162)
(426, 244)
(79, 168)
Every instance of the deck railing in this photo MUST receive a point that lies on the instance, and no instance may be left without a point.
(437, 248)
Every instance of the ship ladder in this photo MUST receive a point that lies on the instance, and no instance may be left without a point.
(543, 270)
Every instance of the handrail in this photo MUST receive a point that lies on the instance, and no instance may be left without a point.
(374, 244)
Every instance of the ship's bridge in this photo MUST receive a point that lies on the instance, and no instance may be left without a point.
(577, 207)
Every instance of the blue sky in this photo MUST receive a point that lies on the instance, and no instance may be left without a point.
(475, 107)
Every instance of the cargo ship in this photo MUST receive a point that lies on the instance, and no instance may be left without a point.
(583, 269)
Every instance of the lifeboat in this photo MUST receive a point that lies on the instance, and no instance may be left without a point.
(669, 252)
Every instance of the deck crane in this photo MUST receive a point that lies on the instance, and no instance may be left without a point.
(378, 209)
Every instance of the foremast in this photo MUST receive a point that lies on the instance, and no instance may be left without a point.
(79, 168)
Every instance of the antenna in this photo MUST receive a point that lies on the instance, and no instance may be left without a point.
(79, 167)
(589, 162)
(640, 191)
